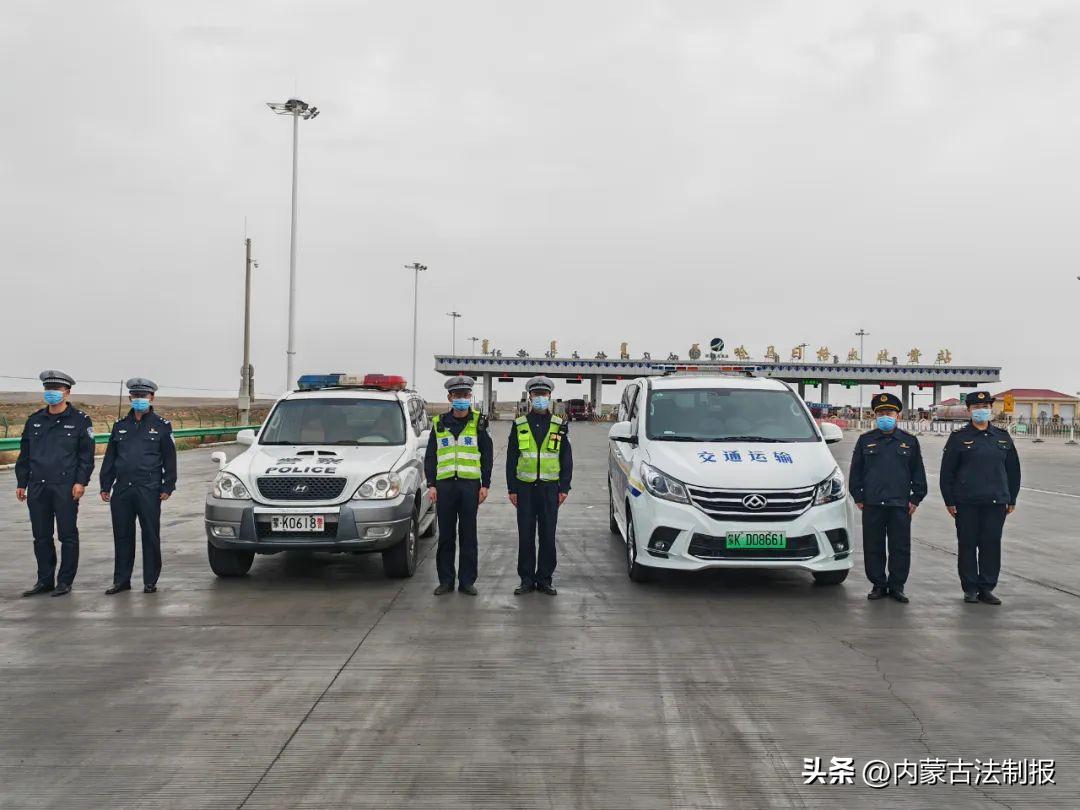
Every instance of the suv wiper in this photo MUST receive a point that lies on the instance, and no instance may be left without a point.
(678, 439)
(277, 442)
(746, 439)
(350, 442)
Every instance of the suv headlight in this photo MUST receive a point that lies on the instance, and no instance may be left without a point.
(379, 487)
(831, 489)
(663, 486)
(228, 486)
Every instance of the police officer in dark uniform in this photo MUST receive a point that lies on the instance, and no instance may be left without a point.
(980, 480)
(887, 481)
(457, 466)
(56, 458)
(539, 467)
(137, 475)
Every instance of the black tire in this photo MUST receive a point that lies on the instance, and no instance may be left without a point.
(399, 562)
(830, 577)
(612, 523)
(227, 562)
(636, 571)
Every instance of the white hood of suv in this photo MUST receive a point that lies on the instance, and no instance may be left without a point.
(704, 464)
(356, 464)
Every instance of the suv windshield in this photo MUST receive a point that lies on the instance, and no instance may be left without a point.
(727, 414)
(335, 421)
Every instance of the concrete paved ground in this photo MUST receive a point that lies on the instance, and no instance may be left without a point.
(317, 683)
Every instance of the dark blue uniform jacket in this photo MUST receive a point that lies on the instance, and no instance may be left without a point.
(140, 453)
(56, 449)
(887, 469)
(980, 467)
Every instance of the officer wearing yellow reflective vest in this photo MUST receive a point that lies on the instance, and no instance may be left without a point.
(457, 465)
(539, 467)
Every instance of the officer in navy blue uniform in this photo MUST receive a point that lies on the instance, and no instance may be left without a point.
(457, 500)
(887, 481)
(56, 458)
(137, 475)
(538, 502)
(980, 481)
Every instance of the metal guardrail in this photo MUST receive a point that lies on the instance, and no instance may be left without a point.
(12, 443)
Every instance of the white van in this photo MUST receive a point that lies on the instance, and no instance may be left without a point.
(726, 472)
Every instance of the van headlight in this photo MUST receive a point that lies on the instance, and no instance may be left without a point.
(379, 487)
(831, 489)
(228, 486)
(663, 486)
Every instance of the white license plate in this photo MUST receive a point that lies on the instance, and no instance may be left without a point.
(297, 523)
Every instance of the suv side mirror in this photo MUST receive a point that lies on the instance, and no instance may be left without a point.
(621, 432)
(220, 458)
(245, 437)
(831, 433)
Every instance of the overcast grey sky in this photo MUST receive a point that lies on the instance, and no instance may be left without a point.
(592, 172)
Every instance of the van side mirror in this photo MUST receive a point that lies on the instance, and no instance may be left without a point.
(621, 432)
(220, 458)
(245, 437)
(831, 433)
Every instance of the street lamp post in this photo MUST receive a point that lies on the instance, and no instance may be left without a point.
(861, 335)
(417, 269)
(247, 373)
(453, 331)
(474, 339)
(297, 109)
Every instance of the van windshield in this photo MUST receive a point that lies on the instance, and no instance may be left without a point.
(335, 421)
(727, 414)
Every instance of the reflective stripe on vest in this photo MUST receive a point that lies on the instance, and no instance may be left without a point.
(538, 462)
(457, 457)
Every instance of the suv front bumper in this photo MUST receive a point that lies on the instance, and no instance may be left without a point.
(354, 526)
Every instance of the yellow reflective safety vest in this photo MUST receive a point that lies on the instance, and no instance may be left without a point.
(538, 463)
(457, 457)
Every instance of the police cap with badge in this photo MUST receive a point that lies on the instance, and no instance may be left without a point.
(979, 398)
(539, 383)
(54, 377)
(886, 402)
(460, 383)
(141, 386)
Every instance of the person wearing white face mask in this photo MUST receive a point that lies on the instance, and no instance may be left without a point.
(887, 481)
(137, 476)
(980, 481)
(56, 459)
(539, 467)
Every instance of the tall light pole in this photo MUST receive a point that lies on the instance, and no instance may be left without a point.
(453, 331)
(861, 335)
(247, 373)
(474, 339)
(417, 269)
(297, 109)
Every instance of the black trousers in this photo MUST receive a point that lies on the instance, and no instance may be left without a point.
(886, 527)
(52, 505)
(128, 505)
(978, 534)
(537, 514)
(456, 507)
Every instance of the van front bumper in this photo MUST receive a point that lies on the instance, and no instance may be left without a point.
(820, 539)
(354, 526)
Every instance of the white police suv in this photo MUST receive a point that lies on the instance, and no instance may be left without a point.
(337, 466)
(726, 472)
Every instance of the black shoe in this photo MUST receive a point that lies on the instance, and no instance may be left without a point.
(899, 595)
(988, 598)
(40, 587)
(444, 589)
(524, 587)
(61, 590)
(114, 589)
(878, 592)
(149, 589)
(548, 589)
(971, 597)
(469, 589)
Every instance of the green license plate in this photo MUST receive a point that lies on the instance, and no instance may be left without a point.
(755, 540)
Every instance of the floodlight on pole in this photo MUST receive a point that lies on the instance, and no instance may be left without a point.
(474, 339)
(297, 109)
(861, 335)
(417, 269)
(453, 331)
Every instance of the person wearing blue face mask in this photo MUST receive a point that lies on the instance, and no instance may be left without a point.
(980, 481)
(56, 459)
(887, 481)
(138, 474)
(539, 468)
(457, 466)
